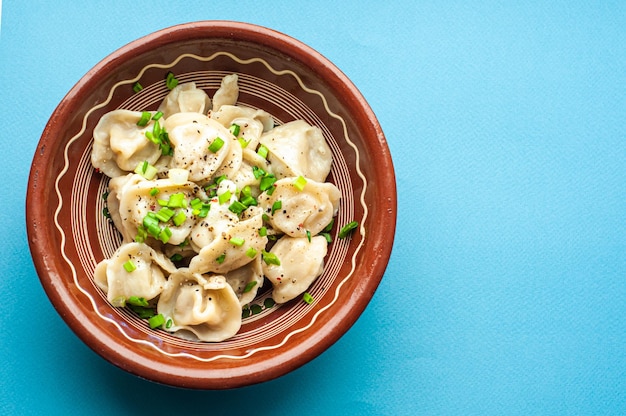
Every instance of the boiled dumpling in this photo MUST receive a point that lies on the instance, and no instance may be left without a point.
(297, 148)
(119, 144)
(185, 98)
(227, 93)
(143, 275)
(246, 280)
(301, 262)
(204, 305)
(192, 136)
(227, 114)
(294, 211)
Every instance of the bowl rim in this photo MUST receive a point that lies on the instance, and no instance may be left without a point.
(50, 275)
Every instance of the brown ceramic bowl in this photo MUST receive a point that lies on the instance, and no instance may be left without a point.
(68, 235)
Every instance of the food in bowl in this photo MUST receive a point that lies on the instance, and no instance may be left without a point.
(211, 199)
(69, 236)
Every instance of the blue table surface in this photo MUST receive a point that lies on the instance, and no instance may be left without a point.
(506, 290)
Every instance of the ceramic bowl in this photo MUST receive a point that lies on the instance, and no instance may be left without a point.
(68, 235)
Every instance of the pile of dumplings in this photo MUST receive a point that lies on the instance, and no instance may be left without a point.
(222, 202)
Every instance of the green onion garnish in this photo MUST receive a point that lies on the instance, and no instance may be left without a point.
(179, 218)
(237, 241)
(242, 142)
(157, 115)
(308, 235)
(145, 118)
(347, 229)
(142, 234)
(270, 258)
(171, 81)
(129, 266)
(216, 145)
(276, 206)
(154, 191)
(249, 286)
(251, 252)
(249, 200)
(237, 207)
(327, 236)
(221, 259)
(165, 235)
(156, 321)
(306, 297)
(267, 182)
(137, 301)
(146, 170)
(234, 129)
(169, 323)
(263, 151)
(137, 87)
(258, 172)
(262, 231)
(299, 183)
(177, 200)
(329, 226)
(165, 214)
(176, 257)
(225, 197)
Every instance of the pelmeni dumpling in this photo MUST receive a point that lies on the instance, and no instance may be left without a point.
(301, 262)
(310, 209)
(234, 247)
(246, 280)
(146, 278)
(192, 135)
(297, 148)
(227, 93)
(227, 114)
(204, 305)
(141, 197)
(185, 98)
(119, 144)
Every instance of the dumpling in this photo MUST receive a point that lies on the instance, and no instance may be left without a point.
(142, 200)
(227, 114)
(204, 305)
(301, 262)
(193, 136)
(233, 247)
(246, 280)
(294, 212)
(185, 98)
(120, 144)
(116, 189)
(135, 269)
(297, 148)
(227, 93)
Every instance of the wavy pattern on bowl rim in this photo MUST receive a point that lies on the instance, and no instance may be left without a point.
(88, 262)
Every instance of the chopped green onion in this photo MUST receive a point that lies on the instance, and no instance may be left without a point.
(263, 231)
(169, 323)
(171, 81)
(243, 142)
(146, 170)
(165, 214)
(249, 200)
(177, 200)
(145, 118)
(129, 266)
(137, 87)
(246, 191)
(150, 221)
(234, 129)
(265, 217)
(225, 197)
(179, 218)
(220, 259)
(106, 212)
(176, 257)
(156, 321)
(216, 145)
(142, 234)
(276, 206)
(266, 182)
(329, 226)
(237, 241)
(270, 258)
(219, 179)
(258, 172)
(251, 252)
(157, 115)
(347, 229)
(204, 211)
(308, 235)
(137, 301)
(299, 183)
(327, 236)
(154, 191)
(307, 298)
(119, 302)
(237, 207)
(143, 312)
(249, 286)
(165, 235)
(263, 151)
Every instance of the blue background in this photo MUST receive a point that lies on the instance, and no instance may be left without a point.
(506, 289)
